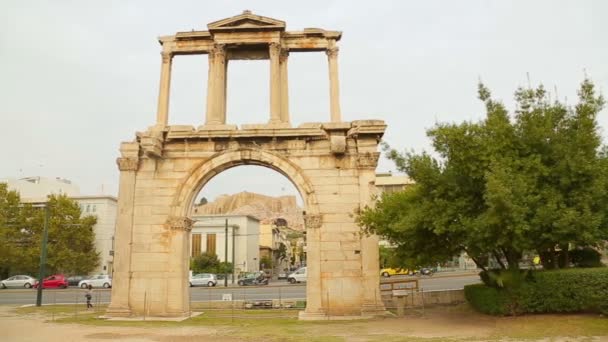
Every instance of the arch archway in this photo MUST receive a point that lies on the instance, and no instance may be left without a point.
(207, 169)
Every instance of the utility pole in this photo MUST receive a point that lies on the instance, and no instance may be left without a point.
(226, 254)
(45, 236)
(233, 262)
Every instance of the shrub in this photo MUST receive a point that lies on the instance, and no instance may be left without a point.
(570, 290)
(586, 257)
(486, 299)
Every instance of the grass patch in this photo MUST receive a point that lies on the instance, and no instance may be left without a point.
(534, 327)
(282, 325)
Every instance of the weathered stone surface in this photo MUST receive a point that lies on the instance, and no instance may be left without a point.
(163, 169)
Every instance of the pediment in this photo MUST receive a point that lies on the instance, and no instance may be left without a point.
(246, 21)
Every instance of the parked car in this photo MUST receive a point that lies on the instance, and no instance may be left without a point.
(299, 276)
(255, 278)
(75, 279)
(203, 279)
(18, 281)
(387, 272)
(54, 281)
(102, 280)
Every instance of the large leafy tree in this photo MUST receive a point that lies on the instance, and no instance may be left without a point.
(536, 180)
(70, 247)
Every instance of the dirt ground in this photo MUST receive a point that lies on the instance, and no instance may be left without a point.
(441, 324)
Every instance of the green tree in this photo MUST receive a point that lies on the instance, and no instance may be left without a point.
(70, 247)
(265, 262)
(502, 186)
(205, 263)
(280, 253)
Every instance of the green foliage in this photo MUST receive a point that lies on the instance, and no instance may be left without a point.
(509, 279)
(489, 300)
(572, 290)
(281, 252)
(265, 262)
(204, 263)
(224, 268)
(586, 257)
(70, 248)
(533, 181)
(209, 263)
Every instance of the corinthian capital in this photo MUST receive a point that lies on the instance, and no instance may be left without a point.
(167, 56)
(219, 51)
(274, 48)
(313, 220)
(284, 54)
(180, 223)
(368, 160)
(127, 164)
(332, 52)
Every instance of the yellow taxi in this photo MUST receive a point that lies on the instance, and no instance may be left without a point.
(387, 272)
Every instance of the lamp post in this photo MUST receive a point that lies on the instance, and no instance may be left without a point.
(45, 236)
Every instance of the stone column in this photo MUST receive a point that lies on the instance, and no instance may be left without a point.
(178, 295)
(225, 90)
(314, 290)
(216, 86)
(275, 80)
(372, 301)
(334, 84)
(119, 306)
(162, 114)
(284, 86)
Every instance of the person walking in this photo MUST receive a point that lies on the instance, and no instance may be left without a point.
(89, 295)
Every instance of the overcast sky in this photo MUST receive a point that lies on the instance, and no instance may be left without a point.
(79, 77)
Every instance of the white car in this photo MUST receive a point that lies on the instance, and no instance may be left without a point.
(102, 280)
(24, 281)
(298, 276)
(204, 279)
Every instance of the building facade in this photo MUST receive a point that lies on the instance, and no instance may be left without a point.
(208, 235)
(105, 209)
(37, 189)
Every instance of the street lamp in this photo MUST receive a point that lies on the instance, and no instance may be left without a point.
(45, 237)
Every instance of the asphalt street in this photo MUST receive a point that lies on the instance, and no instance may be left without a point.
(276, 290)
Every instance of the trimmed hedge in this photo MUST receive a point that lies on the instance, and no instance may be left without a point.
(570, 290)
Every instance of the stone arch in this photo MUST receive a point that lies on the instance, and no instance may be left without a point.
(202, 173)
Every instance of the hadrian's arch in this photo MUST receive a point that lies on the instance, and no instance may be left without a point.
(332, 164)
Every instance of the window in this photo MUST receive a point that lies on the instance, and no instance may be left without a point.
(94, 208)
(196, 245)
(211, 243)
(88, 208)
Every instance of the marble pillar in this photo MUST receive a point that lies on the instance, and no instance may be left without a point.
(120, 306)
(284, 86)
(216, 86)
(334, 84)
(162, 114)
(274, 50)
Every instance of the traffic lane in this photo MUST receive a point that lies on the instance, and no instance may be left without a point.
(200, 294)
(52, 296)
(430, 283)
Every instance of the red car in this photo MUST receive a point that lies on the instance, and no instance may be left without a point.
(57, 280)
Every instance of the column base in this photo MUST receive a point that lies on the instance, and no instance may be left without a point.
(270, 125)
(217, 127)
(374, 310)
(118, 311)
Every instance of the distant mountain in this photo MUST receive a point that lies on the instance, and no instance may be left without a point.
(265, 208)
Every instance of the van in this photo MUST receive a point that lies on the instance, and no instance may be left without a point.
(298, 276)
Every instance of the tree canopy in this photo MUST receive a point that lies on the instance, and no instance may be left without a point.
(536, 180)
(70, 248)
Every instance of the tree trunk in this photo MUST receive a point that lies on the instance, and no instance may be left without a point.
(499, 259)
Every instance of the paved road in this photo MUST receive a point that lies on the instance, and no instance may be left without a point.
(200, 294)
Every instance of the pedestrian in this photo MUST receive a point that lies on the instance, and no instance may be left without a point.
(89, 295)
